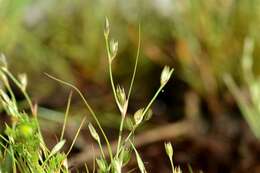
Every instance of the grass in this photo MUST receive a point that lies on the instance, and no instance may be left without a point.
(24, 150)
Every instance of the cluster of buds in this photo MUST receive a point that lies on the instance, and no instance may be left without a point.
(113, 45)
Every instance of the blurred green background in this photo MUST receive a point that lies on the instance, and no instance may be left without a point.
(202, 39)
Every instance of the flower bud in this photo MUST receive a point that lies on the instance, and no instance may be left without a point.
(23, 81)
(113, 48)
(93, 132)
(138, 116)
(121, 99)
(168, 149)
(106, 29)
(165, 75)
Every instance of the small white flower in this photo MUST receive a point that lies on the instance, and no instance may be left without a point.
(168, 149)
(166, 75)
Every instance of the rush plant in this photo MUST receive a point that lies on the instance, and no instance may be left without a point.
(125, 143)
(22, 146)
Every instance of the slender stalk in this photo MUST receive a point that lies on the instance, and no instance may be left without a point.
(77, 134)
(152, 100)
(13, 161)
(86, 167)
(172, 165)
(136, 62)
(101, 149)
(130, 134)
(90, 110)
(130, 90)
(120, 135)
(66, 116)
(114, 93)
(145, 111)
(110, 69)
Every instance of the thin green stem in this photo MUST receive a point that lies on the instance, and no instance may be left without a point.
(90, 110)
(114, 93)
(13, 161)
(152, 100)
(86, 167)
(101, 149)
(172, 165)
(120, 135)
(130, 134)
(66, 116)
(136, 63)
(77, 134)
(110, 69)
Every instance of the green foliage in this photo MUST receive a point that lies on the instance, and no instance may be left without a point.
(210, 39)
(249, 105)
(22, 146)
